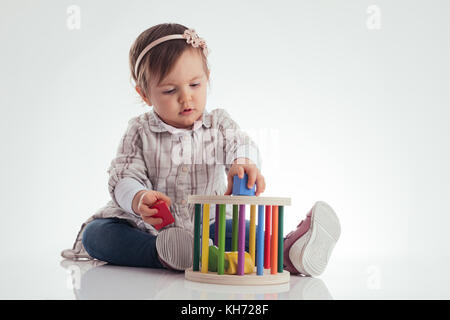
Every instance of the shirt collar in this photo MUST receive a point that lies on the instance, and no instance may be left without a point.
(157, 125)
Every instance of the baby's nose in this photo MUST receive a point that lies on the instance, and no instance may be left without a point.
(184, 98)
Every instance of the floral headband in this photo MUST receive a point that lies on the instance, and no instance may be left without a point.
(191, 38)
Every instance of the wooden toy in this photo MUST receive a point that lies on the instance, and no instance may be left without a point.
(240, 186)
(163, 213)
(261, 243)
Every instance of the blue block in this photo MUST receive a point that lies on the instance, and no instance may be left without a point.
(240, 186)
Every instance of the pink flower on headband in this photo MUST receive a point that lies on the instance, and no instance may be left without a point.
(193, 39)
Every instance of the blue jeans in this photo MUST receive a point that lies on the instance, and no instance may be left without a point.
(117, 242)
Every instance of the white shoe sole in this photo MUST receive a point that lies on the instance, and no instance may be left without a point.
(174, 247)
(311, 252)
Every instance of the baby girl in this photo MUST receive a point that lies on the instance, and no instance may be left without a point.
(178, 149)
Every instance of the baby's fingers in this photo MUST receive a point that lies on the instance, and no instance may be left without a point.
(252, 172)
(260, 185)
(153, 221)
(163, 197)
(240, 172)
(147, 213)
(229, 186)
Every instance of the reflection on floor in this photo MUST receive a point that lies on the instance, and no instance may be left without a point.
(96, 280)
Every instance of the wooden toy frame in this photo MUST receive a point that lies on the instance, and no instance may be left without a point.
(268, 242)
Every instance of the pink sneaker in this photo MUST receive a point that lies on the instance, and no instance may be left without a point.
(308, 248)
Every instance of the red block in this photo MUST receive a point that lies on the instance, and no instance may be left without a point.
(163, 213)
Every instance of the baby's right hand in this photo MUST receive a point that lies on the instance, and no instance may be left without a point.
(142, 202)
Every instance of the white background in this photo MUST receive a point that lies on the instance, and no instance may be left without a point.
(353, 116)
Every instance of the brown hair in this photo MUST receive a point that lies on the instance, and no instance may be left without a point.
(160, 60)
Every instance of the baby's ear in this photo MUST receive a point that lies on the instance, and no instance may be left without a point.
(143, 96)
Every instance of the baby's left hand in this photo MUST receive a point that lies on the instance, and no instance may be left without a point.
(241, 166)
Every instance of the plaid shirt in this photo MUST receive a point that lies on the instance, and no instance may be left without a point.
(155, 156)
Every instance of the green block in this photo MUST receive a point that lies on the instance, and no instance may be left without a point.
(213, 257)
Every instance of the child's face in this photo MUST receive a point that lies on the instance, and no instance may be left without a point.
(181, 97)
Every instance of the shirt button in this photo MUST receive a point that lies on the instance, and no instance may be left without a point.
(185, 137)
(185, 169)
(183, 202)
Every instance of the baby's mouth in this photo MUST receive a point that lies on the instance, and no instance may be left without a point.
(187, 111)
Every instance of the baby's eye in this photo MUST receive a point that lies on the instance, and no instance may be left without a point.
(173, 90)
